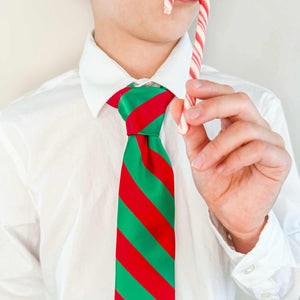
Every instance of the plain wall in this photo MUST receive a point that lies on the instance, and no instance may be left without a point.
(256, 40)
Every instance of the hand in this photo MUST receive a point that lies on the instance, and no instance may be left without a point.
(240, 172)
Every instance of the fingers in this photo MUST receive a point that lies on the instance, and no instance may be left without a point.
(241, 123)
(271, 160)
(196, 138)
(176, 107)
(237, 106)
(204, 89)
(236, 135)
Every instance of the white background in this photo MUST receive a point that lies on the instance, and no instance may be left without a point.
(256, 40)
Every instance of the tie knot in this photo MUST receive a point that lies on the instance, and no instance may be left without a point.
(142, 108)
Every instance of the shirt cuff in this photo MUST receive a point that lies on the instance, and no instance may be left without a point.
(255, 271)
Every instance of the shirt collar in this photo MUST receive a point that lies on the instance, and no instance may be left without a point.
(101, 76)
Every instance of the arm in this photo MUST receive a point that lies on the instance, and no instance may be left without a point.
(20, 272)
(271, 269)
(243, 174)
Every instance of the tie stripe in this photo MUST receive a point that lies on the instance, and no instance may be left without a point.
(141, 269)
(154, 145)
(145, 180)
(129, 287)
(158, 258)
(145, 245)
(145, 211)
(114, 99)
(118, 296)
(162, 169)
(144, 115)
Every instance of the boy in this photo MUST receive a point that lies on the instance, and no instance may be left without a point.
(61, 150)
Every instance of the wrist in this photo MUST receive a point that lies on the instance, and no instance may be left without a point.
(245, 242)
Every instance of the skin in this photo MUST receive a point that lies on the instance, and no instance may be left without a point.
(240, 172)
(254, 158)
(130, 32)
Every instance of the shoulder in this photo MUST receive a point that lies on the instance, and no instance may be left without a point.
(43, 116)
(264, 99)
(53, 94)
(54, 101)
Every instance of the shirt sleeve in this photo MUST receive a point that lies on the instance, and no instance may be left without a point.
(271, 270)
(20, 272)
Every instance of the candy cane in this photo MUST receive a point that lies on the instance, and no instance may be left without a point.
(168, 5)
(195, 66)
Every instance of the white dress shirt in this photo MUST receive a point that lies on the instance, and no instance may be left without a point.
(61, 149)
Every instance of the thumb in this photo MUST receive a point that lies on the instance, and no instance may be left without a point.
(196, 137)
(176, 108)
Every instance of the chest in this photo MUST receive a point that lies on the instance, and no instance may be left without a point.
(77, 193)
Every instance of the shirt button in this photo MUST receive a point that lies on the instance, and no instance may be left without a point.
(266, 295)
(249, 269)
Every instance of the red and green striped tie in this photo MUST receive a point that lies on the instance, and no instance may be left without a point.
(145, 247)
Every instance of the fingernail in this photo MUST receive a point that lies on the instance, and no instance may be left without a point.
(198, 162)
(196, 83)
(193, 113)
(220, 168)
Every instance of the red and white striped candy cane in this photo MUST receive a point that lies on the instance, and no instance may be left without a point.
(196, 56)
(168, 5)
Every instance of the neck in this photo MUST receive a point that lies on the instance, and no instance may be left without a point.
(139, 58)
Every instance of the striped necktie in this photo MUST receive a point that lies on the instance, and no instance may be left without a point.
(145, 244)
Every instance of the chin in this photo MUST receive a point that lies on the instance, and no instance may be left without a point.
(164, 36)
